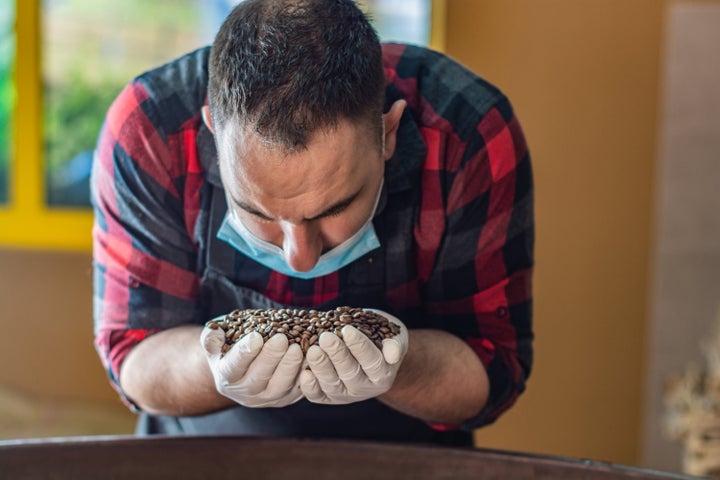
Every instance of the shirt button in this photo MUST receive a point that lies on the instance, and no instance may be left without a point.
(502, 312)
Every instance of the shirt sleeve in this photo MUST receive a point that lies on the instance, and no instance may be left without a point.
(477, 253)
(143, 254)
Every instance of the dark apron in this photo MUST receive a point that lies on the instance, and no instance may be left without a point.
(366, 420)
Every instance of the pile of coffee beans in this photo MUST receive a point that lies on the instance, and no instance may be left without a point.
(303, 327)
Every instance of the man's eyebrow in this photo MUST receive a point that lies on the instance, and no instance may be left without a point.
(332, 210)
(250, 209)
(337, 207)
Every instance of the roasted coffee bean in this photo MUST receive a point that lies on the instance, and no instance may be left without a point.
(303, 327)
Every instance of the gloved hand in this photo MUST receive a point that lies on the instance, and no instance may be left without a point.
(352, 369)
(253, 374)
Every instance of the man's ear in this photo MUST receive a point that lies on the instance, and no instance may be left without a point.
(207, 118)
(391, 120)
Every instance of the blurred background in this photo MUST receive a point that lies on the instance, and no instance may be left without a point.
(619, 100)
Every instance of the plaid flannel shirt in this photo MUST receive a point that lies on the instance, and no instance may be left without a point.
(470, 248)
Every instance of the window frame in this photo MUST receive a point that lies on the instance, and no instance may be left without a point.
(26, 220)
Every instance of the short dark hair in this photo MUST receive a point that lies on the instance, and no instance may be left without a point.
(287, 68)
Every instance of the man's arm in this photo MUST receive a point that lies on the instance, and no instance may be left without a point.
(479, 255)
(143, 255)
(441, 379)
(168, 374)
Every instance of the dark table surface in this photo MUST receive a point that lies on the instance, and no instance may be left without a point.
(243, 458)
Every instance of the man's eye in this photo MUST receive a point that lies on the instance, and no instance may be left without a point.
(334, 213)
(262, 218)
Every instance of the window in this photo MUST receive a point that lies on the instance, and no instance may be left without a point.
(406, 21)
(90, 50)
(77, 55)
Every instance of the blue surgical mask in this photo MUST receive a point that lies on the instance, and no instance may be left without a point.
(234, 232)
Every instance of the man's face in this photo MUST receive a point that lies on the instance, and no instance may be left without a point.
(308, 201)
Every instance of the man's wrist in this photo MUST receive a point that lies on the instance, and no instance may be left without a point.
(441, 380)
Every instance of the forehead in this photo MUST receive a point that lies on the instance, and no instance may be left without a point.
(336, 162)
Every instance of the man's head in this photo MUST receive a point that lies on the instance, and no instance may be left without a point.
(296, 99)
(286, 68)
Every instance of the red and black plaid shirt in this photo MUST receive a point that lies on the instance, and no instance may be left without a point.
(465, 266)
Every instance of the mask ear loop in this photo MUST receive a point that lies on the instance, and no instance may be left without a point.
(382, 146)
(377, 199)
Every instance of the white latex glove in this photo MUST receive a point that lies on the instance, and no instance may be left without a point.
(352, 369)
(253, 374)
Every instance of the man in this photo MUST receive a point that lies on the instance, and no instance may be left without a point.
(297, 163)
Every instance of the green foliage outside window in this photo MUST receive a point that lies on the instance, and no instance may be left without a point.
(74, 111)
(90, 50)
(7, 95)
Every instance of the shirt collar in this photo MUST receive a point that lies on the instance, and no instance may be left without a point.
(402, 170)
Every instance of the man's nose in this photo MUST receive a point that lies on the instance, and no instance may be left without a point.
(302, 246)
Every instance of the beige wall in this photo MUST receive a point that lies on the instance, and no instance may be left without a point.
(50, 375)
(46, 345)
(583, 77)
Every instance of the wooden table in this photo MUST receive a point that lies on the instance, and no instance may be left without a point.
(244, 458)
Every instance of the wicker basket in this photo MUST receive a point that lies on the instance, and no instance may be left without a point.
(693, 413)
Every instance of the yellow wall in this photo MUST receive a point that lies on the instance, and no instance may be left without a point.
(584, 78)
